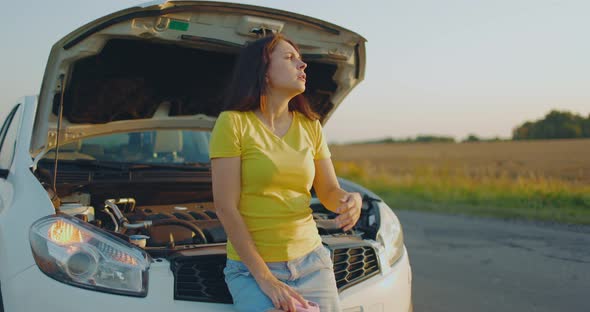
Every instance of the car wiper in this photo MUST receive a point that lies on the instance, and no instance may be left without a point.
(130, 166)
(91, 163)
(182, 166)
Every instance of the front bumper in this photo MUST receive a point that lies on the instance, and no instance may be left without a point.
(389, 292)
(31, 290)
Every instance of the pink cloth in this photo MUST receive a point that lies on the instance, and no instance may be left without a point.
(312, 307)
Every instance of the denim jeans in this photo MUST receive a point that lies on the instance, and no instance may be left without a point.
(311, 276)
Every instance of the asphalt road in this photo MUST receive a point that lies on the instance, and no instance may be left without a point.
(464, 263)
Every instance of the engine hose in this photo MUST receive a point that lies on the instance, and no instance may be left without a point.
(193, 227)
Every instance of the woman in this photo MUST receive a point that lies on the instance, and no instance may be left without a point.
(266, 150)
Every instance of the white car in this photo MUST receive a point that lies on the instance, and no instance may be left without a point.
(105, 185)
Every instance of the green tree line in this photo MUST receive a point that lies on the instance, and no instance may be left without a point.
(417, 139)
(555, 125)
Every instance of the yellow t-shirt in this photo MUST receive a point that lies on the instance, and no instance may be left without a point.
(277, 174)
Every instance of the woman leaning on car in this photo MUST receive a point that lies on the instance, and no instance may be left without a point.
(267, 149)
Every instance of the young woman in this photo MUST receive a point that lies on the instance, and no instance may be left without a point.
(267, 149)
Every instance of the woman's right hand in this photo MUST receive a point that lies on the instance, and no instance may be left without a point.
(282, 295)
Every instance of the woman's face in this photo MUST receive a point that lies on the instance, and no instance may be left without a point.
(286, 70)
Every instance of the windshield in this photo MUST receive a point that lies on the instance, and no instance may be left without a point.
(145, 147)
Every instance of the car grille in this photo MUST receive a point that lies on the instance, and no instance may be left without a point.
(353, 265)
(201, 278)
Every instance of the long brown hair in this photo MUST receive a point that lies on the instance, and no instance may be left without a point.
(248, 87)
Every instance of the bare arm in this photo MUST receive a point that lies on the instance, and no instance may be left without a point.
(335, 199)
(226, 177)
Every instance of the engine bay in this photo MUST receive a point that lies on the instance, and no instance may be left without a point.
(163, 207)
(167, 227)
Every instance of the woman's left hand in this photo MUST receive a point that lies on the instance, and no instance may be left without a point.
(349, 210)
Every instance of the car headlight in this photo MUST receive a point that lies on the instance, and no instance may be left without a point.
(390, 234)
(77, 253)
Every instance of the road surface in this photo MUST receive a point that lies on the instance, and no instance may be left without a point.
(471, 264)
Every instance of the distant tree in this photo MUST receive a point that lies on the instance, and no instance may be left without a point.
(432, 138)
(586, 127)
(417, 139)
(472, 138)
(555, 125)
(523, 132)
(495, 139)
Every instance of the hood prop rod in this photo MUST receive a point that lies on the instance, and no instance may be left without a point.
(61, 88)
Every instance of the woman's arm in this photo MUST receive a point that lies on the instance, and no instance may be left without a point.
(335, 199)
(226, 178)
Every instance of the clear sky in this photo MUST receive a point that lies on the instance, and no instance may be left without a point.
(449, 67)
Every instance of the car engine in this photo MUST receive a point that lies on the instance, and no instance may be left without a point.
(163, 229)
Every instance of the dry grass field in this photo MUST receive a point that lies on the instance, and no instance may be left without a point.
(567, 160)
(541, 180)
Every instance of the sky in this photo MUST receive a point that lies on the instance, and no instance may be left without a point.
(452, 67)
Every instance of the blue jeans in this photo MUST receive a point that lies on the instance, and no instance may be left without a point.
(312, 276)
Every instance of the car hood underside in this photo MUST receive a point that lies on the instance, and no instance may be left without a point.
(167, 66)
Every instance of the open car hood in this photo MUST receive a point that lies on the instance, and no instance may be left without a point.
(165, 65)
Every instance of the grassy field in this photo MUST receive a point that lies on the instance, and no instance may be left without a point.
(538, 180)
